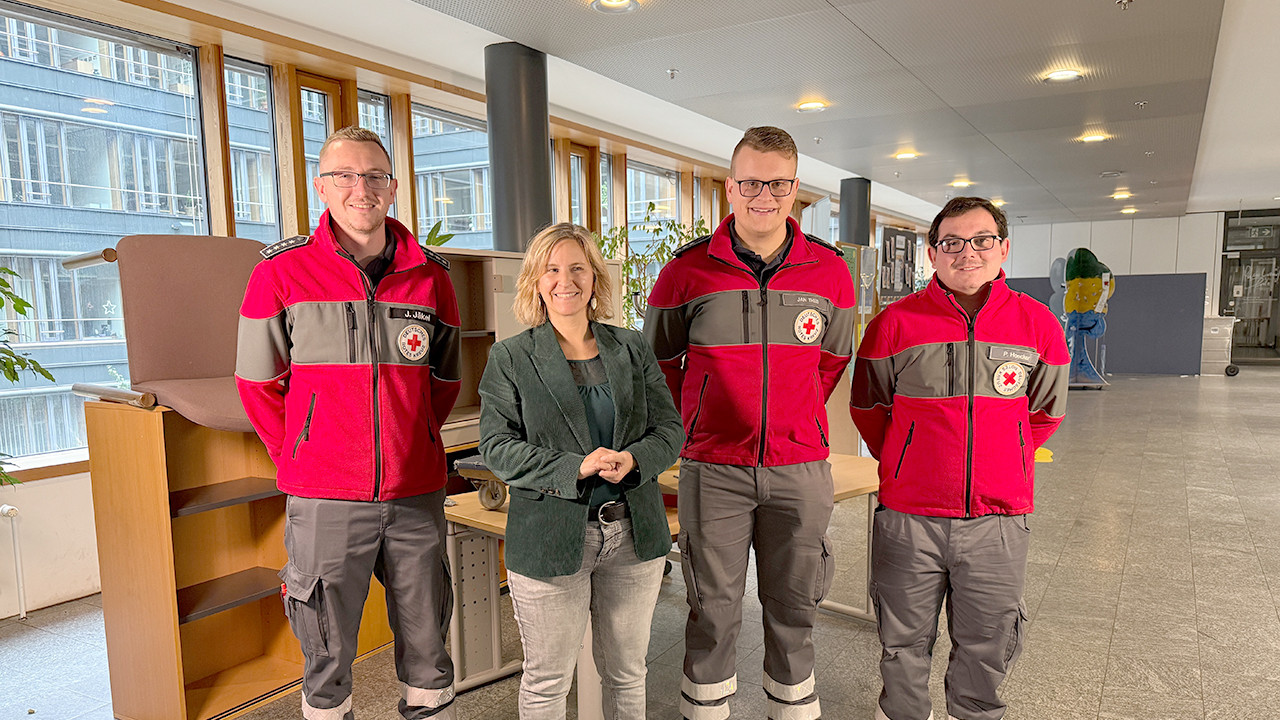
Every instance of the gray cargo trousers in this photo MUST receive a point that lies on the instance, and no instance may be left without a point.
(334, 547)
(783, 513)
(978, 566)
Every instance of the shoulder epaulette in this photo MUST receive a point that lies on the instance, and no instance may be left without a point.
(273, 250)
(819, 241)
(690, 245)
(433, 255)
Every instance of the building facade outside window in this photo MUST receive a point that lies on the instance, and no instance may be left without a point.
(646, 185)
(99, 139)
(251, 130)
(451, 170)
(374, 112)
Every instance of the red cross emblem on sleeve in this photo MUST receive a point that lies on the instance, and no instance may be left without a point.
(1010, 378)
(413, 342)
(808, 325)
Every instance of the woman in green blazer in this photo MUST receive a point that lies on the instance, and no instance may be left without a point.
(576, 417)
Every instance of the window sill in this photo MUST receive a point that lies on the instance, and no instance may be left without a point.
(49, 465)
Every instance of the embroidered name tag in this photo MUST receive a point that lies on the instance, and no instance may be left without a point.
(804, 300)
(1004, 353)
(415, 314)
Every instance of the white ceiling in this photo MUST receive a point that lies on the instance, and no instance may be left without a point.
(962, 88)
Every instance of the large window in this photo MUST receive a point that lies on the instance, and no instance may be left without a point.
(451, 169)
(375, 114)
(99, 138)
(317, 124)
(251, 132)
(649, 186)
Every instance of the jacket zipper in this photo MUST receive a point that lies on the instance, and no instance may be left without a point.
(910, 431)
(973, 372)
(746, 316)
(817, 389)
(1022, 442)
(951, 370)
(306, 427)
(764, 347)
(698, 410)
(352, 333)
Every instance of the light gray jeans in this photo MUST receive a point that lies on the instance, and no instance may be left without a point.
(618, 592)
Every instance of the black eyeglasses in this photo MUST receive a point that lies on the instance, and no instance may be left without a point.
(979, 243)
(347, 179)
(777, 188)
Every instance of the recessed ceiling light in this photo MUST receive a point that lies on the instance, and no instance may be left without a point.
(1065, 75)
(1129, 211)
(906, 156)
(961, 184)
(1276, 197)
(1093, 137)
(93, 110)
(1122, 195)
(1110, 173)
(811, 106)
(998, 203)
(613, 7)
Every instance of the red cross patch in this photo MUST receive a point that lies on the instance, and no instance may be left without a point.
(413, 342)
(1010, 378)
(808, 325)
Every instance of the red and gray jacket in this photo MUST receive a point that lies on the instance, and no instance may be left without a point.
(751, 366)
(348, 386)
(954, 408)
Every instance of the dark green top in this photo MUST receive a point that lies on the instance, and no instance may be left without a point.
(597, 400)
(534, 435)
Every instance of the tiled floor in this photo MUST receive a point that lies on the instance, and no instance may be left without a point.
(1153, 584)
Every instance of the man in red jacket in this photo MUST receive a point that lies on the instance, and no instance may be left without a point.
(953, 390)
(753, 326)
(347, 365)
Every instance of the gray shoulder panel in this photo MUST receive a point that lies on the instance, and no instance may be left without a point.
(434, 256)
(296, 241)
(819, 241)
(690, 245)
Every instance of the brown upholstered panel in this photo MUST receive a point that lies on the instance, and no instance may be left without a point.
(181, 297)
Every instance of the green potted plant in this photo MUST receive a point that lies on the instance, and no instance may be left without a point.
(13, 363)
(640, 267)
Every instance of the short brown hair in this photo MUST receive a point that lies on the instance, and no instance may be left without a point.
(766, 138)
(528, 306)
(355, 134)
(961, 205)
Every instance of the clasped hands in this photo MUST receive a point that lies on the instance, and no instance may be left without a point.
(611, 465)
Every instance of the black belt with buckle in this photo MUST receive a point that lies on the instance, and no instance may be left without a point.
(610, 512)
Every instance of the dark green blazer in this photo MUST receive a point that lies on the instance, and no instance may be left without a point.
(534, 435)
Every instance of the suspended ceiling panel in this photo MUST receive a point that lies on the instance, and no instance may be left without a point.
(958, 82)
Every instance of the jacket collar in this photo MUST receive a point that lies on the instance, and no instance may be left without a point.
(408, 253)
(721, 246)
(553, 370)
(939, 294)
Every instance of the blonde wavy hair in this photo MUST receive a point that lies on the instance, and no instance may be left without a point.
(528, 306)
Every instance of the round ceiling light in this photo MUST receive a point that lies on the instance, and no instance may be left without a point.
(1093, 137)
(1129, 211)
(906, 156)
(614, 7)
(811, 106)
(961, 184)
(1065, 75)
(1122, 195)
